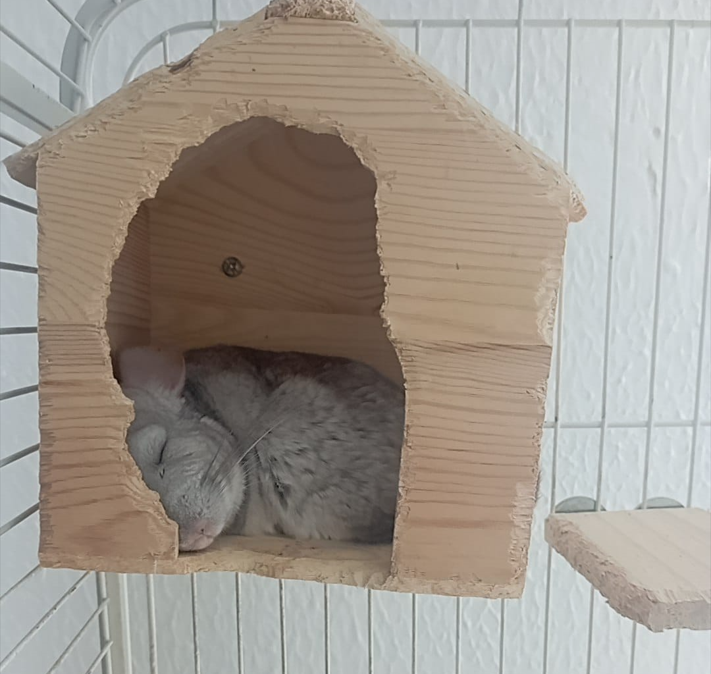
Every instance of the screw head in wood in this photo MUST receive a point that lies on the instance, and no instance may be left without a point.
(232, 267)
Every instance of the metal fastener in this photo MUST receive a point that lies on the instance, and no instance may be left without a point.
(232, 267)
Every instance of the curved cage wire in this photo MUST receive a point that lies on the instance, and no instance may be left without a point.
(624, 103)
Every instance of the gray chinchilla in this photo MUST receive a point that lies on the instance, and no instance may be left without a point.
(237, 440)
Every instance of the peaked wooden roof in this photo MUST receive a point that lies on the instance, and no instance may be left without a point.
(22, 165)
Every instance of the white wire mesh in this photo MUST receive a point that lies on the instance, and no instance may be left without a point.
(624, 105)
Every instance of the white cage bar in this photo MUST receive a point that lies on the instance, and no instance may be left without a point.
(39, 112)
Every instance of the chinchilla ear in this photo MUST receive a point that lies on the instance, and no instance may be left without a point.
(149, 367)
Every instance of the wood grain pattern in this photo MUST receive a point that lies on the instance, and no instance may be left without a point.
(320, 561)
(370, 200)
(128, 321)
(297, 209)
(653, 566)
(92, 497)
(470, 474)
(187, 325)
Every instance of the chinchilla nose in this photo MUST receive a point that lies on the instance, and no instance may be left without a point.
(202, 527)
(206, 527)
(198, 534)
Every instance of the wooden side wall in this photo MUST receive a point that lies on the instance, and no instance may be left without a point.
(474, 413)
(92, 498)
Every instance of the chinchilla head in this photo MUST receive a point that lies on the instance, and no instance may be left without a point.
(178, 449)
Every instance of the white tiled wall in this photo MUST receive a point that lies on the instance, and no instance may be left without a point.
(260, 628)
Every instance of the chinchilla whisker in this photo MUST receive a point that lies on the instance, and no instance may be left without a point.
(223, 484)
(248, 472)
(217, 468)
(213, 468)
(275, 425)
(218, 473)
(222, 480)
(228, 467)
(210, 466)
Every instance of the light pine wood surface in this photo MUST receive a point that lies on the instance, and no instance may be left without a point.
(380, 214)
(653, 566)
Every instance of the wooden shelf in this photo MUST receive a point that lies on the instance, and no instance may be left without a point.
(343, 563)
(653, 566)
(272, 556)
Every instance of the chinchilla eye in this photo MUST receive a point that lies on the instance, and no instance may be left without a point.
(149, 443)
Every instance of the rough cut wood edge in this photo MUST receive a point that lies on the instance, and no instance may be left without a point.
(184, 71)
(594, 545)
(356, 565)
(333, 10)
(83, 413)
(445, 537)
(454, 98)
(22, 165)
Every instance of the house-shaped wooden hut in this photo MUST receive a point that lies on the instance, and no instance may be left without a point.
(374, 211)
